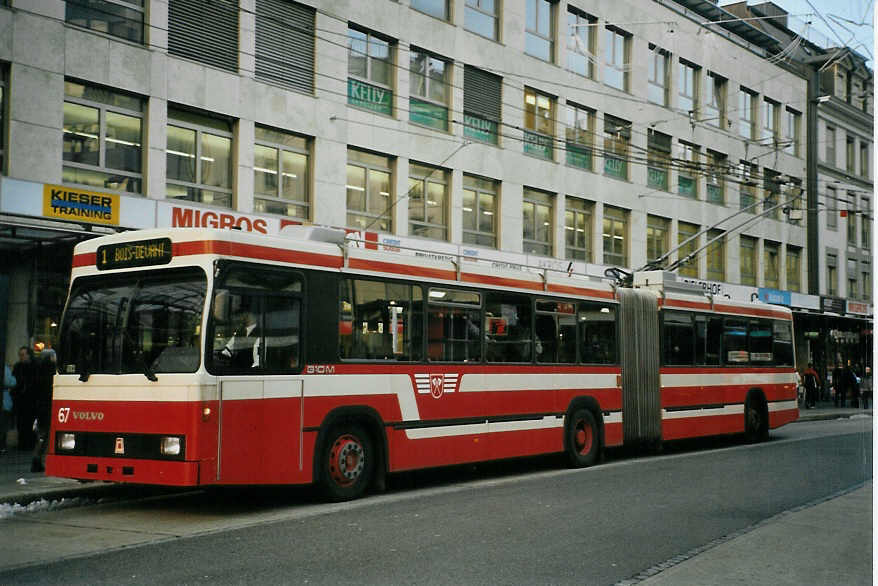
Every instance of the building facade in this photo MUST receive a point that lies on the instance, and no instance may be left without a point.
(538, 132)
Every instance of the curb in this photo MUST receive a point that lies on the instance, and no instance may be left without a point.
(25, 497)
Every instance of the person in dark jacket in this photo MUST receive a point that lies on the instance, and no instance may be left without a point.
(853, 384)
(811, 381)
(45, 374)
(24, 372)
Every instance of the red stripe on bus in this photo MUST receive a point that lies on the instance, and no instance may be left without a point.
(401, 269)
(500, 281)
(754, 311)
(553, 288)
(85, 259)
(728, 370)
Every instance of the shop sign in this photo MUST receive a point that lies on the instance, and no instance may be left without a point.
(370, 97)
(428, 114)
(774, 296)
(858, 308)
(479, 128)
(805, 301)
(176, 216)
(812, 334)
(832, 305)
(78, 205)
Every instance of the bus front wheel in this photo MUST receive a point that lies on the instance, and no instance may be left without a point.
(583, 438)
(347, 462)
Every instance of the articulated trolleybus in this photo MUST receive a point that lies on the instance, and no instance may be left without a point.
(194, 357)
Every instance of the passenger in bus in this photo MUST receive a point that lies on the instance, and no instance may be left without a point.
(242, 349)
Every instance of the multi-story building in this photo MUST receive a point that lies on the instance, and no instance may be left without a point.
(840, 142)
(530, 131)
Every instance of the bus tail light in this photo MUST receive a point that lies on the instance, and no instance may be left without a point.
(170, 446)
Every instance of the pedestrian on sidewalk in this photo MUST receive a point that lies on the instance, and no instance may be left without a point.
(43, 406)
(6, 407)
(22, 397)
(839, 383)
(853, 384)
(866, 387)
(812, 382)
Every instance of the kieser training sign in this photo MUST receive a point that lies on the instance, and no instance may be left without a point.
(77, 205)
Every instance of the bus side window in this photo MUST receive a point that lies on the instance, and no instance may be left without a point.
(454, 326)
(708, 336)
(678, 340)
(783, 343)
(597, 333)
(508, 327)
(376, 320)
(735, 342)
(760, 342)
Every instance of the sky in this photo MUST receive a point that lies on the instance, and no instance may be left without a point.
(851, 20)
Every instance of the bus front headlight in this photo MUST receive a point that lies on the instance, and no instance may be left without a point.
(170, 446)
(66, 442)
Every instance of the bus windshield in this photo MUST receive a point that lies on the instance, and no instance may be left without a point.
(134, 322)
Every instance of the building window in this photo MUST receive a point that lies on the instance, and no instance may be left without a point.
(537, 214)
(656, 237)
(793, 200)
(658, 154)
(437, 8)
(539, 30)
(428, 88)
(285, 44)
(281, 174)
(794, 268)
(370, 72)
(539, 124)
(482, 17)
(748, 261)
(748, 186)
(864, 159)
(615, 229)
(687, 231)
(617, 56)
(687, 96)
(770, 121)
(120, 18)
(480, 211)
(851, 270)
(481, 104)
(829, 153)
(715, 101)
(831, 207)
(831, 274)
(369, 191)
(717, 165)
(103, 134)
(866, 224)
(793, 129)
(852, 219)
(192, 22)
(850, 154)
(428, 202)
(772, 265)
(4, 92)
(747, 113)
(716, 255)
(199, 158)
(580, 136)
(867, 281)
(577, 228)
(617, 136)
(687, 176)
(580, 42)
(771, 187)
(657, 90)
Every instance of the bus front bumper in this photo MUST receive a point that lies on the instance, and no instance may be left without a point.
(134, 471)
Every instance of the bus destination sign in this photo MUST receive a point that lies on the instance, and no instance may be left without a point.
(142, 253)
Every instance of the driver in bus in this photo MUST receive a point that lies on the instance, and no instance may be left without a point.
(242, 349)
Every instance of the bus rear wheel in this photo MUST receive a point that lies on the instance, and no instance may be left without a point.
(347, 462)
(583, 438)
(755, 420)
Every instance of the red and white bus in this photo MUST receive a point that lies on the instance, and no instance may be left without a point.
(194, 357)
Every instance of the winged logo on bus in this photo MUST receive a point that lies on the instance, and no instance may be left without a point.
(436, 384)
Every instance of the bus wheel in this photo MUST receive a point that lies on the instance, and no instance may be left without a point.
(348, 463)
(756, 421)
(583, 438)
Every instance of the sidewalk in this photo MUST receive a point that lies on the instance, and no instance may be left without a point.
(791, 548)
(826, 410)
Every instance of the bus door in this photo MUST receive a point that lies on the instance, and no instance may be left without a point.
(639, 345)
(260, 432)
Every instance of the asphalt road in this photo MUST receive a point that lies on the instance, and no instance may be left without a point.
(528, 522)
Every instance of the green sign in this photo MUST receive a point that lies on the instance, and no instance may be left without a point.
(370, 97)
(537, 145)
(686, 186)
(479, 129)
(432, 115)
(615, 167)
(578, 156)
